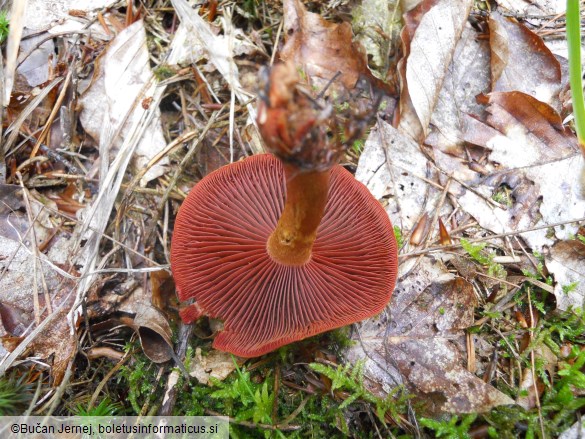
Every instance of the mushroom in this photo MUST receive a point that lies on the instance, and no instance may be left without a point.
(283, 248)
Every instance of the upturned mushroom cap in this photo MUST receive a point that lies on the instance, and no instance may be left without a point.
(219, 258)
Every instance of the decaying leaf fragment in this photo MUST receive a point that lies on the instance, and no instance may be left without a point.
(415, 344)
(216, 364)
(566, 261)
(534, 8)
(31, 288)
(393, 164)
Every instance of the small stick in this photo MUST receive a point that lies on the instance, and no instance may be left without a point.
(171, 392)
(52, 116)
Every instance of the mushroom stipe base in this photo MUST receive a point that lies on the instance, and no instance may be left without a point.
(219, 258)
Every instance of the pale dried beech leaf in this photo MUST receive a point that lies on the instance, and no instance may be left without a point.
(392, 164)
(111, 104)
(521, 61)
(216, 364)
(431, 50)
(534, 8)
(417, 342)
(577, 431)
(467, 76)
(41, 14)
(533, 148)
(566, 262)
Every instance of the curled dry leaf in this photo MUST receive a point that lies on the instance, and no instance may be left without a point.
(323, 49)
(520, 61)
(127, 303)
(154, 332)
(431, 34)
(416, 344)
(566, 262)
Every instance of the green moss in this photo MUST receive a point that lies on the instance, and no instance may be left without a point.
(15, 394)
(163, 72)
(4, 26)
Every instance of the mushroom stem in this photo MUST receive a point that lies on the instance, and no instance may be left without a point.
(292, 240)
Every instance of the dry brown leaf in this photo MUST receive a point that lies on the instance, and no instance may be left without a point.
(534, 132)
(566, 262)
(406, 112)
(415, 343)
(532, 149)
(322, 48)
(57, 344)
(520, 61)
(430, 37)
